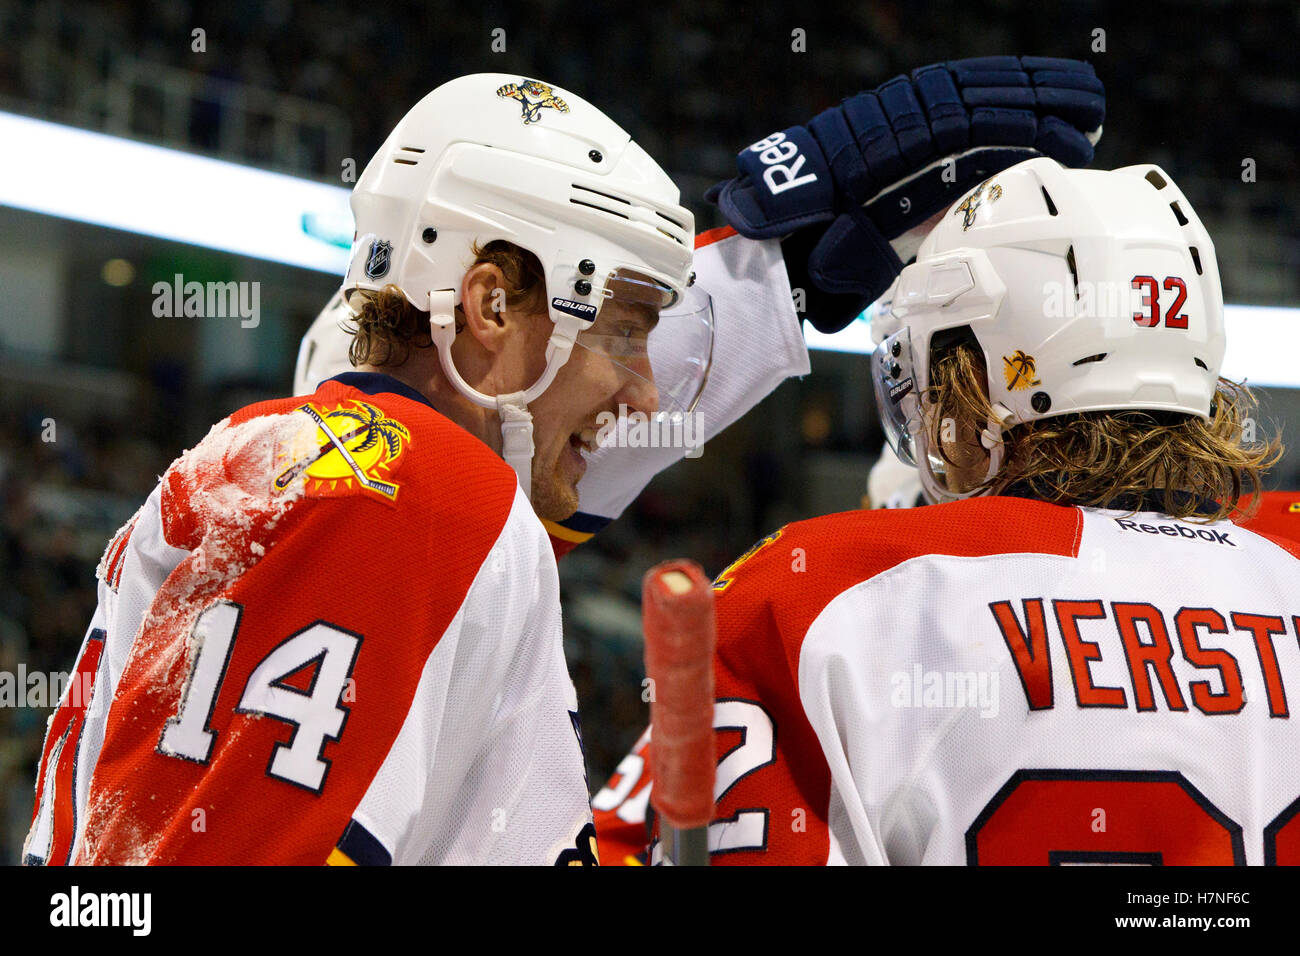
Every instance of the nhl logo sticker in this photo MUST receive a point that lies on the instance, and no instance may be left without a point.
(971, 204)
(533, 96)
(381, 255)
(1018, 371)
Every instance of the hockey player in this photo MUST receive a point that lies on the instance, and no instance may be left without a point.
(331, 635)
(1076, 658)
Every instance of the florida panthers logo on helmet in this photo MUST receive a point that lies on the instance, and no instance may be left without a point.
(533, 96)
(972, 203)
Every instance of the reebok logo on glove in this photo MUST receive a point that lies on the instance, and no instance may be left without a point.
(773, 152)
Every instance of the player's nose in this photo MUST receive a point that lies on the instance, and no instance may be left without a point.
(638, 392)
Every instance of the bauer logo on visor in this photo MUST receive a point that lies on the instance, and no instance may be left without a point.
(896, 392)
(581, 309)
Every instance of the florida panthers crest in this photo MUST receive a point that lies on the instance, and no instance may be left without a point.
(357, 449)
(971, 204)
(533, 96)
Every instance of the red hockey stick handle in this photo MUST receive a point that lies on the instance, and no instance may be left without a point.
(680, 625)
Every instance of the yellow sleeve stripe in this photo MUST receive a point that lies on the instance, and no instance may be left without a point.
(565, 534)
(338, 858)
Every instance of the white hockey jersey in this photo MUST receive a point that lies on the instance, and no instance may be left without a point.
(1001, 681)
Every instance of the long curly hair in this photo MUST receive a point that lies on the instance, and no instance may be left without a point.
(1102, 459)
(386, 327)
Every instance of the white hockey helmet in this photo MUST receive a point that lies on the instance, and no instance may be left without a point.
(496, 157)
(1086, 290)
(324, 350)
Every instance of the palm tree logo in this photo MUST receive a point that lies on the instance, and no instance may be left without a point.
(1018, 370)
(356, 447)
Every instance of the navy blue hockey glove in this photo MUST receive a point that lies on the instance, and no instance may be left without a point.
(862, 174)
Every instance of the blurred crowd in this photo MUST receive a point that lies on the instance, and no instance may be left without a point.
(64, 490)
(695, 81)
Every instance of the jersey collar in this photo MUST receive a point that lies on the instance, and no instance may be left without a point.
(1153, 499)
(375, 383)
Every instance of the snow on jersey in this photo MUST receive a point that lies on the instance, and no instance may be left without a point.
(1001, 681)
(331, 634)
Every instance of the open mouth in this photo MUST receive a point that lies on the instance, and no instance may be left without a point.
(584, 440)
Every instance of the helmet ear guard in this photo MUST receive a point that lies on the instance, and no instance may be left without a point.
(1059, 274)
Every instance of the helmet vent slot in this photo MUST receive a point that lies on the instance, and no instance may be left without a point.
(407, 162)
(592, 205)
(1196, 260)
(1074, 271)
(1051, 206)
(597, 192)
(1178, 214)
(1155, 179)
(1091, 358)
(1200, 363)
(679, 225)
(602, 201)
(412, 149)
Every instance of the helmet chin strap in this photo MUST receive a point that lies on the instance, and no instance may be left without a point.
(512, 408)
(517, 438)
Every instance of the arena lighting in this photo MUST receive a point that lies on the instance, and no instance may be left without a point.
(1263, 342)
(109, 181)
(119, 183)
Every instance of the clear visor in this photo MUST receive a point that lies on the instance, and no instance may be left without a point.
(897, 399)
(657, 341)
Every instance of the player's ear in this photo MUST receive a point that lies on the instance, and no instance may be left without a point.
(483, 302)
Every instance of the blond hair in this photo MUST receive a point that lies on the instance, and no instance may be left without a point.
(1105, 459)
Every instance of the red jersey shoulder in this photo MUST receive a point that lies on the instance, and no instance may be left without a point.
(362, 440)
(392, 462)
(818, 558)
(1278, 516)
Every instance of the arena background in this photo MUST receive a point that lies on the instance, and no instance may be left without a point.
(1198, 87)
